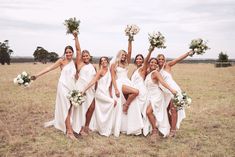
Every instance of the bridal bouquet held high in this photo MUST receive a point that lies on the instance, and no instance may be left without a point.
(22, 79)
(157, 40)
(72, 24)
(76, 97)
(181, 100)
(198, 46)
(131, 30)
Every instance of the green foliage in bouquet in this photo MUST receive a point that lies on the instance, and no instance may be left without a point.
(72, 24)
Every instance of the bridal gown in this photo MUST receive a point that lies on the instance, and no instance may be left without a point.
(66, 83)
(86, 74)
(168, 95)
(155, 97)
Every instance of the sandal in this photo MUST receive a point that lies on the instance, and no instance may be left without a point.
(172, 133)
(70, 135)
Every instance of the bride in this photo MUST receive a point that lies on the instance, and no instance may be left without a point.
(63, 107)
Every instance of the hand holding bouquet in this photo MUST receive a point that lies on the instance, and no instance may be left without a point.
(156, 39)
(76, 97)
(72, 24)
(198, 46)
(22, 79)
(181, 100)
(131, 30)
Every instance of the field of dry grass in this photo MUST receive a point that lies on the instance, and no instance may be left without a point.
(208, 130)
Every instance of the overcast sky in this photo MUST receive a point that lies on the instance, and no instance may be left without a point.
(31, 23)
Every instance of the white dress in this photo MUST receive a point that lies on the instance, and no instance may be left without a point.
(66, 83)
(86, 74)
(168, 95)
(138, 82)
(104, 106)
(132, 122)
(155, 97)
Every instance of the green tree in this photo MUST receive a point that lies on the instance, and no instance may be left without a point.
(5, 52)
(40, 54)
(52, 56)
(223, 57)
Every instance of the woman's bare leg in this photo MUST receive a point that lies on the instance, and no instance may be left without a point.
(132, 94)
(69, 130)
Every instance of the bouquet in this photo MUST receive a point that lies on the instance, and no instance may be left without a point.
(198, 46)
(181, 100)
(131, 30)
(76, 97)
(72, 25)
(22, 79)
(156, 39)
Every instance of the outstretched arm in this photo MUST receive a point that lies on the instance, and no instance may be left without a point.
(113, 75)
(158, 76)
(173, 62)
(93, 81)
(78, 49)
(129, 52)
(47, 69)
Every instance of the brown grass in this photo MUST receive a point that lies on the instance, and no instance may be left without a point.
(208, 130)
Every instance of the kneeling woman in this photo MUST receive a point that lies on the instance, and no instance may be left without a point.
(103, 98)
(156, 110)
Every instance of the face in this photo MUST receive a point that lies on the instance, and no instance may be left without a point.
(139, 61)
(104, 62)
(161, 60)
(123, 56)
(86, 57)
(69, 54)
(153, 64)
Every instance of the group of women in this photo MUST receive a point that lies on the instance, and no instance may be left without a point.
(114, 103)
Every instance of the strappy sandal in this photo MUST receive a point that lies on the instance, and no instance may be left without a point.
(172, 133)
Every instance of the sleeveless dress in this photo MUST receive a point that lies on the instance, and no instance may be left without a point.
(155, 97)
(65, 85)
(168, 95)
(131, 123)
(86, 74)
(104, 106)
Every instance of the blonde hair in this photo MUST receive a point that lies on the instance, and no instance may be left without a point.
(118, 58)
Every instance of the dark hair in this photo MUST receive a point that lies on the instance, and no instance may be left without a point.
(68, 47)
(101, 59)
(138, 55)
(152, 59)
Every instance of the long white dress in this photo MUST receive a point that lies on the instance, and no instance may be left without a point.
(132, 122)
(168, 95)
(86, 74)
(155, 97)
(138, 82)
(66, 83)
(104, 106)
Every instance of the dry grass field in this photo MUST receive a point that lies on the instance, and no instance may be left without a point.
(208, 130)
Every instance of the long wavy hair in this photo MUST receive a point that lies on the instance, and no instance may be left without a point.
(67, 47)
(161, 55)
(118, 58)
(101, 59)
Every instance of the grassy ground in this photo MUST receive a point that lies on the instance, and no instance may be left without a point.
(208, 130)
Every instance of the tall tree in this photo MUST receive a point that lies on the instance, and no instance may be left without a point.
(40, 54)
(5, 52)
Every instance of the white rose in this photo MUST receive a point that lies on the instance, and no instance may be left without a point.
(18, 77)
(26, 84)
(21, 81)
(189, 100)
(24, 73)
(15, 81)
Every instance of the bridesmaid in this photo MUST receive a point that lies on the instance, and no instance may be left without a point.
(175, 117)
(85, 73)
(156, 108)
(104, 103)
(63, 107)
(137, 79)
(123, 89)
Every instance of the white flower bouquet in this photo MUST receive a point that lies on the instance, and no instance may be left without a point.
(72, 24)
(181, 100)
(156, 39)
(22, 79)
(198, 46)
(76, 97)
(131, 30)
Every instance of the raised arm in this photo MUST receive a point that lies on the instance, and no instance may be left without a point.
(129, 52)
(47, 69)
(92, 82)
(113, 75)
(173, 62)
(158, 76)
(78, 49)
(145, 66)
